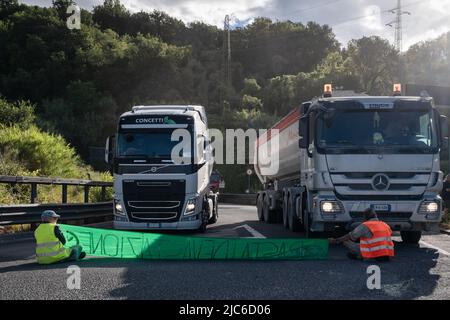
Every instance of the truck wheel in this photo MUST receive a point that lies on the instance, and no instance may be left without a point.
(269, 215)
(259, 208)
(206, 214)
(411, 236)
(308, 233)
(285, 212)
(215, 214)
(202, 228)
(293, 222)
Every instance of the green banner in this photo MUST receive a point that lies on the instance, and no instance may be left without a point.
(139, 245)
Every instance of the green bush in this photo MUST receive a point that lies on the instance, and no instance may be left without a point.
(31, 152)
(20, 113)
(40, 152)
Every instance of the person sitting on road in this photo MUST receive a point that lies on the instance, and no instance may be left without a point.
(374, 239)
(50, 242)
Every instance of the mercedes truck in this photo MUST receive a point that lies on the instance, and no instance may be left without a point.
(338, 156)
(161, 162)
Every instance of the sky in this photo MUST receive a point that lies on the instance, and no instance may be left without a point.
(350, 19)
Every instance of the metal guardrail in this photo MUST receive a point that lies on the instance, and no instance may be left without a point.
(30, 213)
(35, 181)
(27, 214)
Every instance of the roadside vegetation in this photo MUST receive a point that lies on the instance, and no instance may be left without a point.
(78, 82)
(26, 150)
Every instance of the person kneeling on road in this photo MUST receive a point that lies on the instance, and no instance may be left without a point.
(50, 242)
(374, 239)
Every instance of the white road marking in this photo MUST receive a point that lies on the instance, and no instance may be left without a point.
(252, 231)
(426, 244)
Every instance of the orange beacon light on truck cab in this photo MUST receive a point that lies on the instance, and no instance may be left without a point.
(327, 91)
(397, 89)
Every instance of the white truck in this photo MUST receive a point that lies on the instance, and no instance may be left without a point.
(340, 156)
(151, 189)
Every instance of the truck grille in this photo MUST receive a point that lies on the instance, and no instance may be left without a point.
(361, 183)
(154, 200)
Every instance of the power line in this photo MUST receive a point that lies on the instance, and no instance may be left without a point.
(226, 62)
(319, 5)
(398, 24)
(376, 13)
(333, 25)
(287, 36)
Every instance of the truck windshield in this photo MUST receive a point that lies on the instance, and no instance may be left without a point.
(147, 144)
(405, 130)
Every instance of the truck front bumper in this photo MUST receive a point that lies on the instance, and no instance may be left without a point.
(124, 224)
(401, 216)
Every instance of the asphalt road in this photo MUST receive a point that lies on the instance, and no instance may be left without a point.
(418, 272)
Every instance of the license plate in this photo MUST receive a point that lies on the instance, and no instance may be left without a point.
(152, 225)
(381, 207)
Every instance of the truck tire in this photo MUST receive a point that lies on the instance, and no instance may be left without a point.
(203, 226)
(285, 209)
(412, 237)
(270, 216)
(259, 207)
(215, 214)
(293, 222)
(308, 233)
(205, 215)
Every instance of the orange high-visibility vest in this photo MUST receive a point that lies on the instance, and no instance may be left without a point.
(380, 245)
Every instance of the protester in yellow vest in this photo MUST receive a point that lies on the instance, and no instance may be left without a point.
(50, 242)
(374, 236)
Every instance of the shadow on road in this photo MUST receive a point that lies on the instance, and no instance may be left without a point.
(410, 275)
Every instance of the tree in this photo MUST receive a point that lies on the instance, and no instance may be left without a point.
(429, 62)
(251, 87)
(61, 7)
(376, 63)
(251, 103)
(280, 94)
(4, 4)
(112, 15)
(20, 113)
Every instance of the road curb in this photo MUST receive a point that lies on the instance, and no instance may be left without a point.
(445, 231)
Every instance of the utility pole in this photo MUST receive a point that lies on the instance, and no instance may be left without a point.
(398, 22)
(226, 62)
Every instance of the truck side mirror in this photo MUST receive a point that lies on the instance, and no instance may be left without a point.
(109, 149)
(444, 132)
(303, 132)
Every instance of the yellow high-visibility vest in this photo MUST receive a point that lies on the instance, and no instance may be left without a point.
(48, 247)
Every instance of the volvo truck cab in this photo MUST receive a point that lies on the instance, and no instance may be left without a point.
(161, 162)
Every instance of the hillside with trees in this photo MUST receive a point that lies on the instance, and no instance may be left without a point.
(80, 81)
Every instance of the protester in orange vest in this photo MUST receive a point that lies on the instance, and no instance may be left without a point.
(374, 239)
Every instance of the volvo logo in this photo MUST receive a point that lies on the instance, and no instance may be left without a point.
(154, 169)
(380, 182)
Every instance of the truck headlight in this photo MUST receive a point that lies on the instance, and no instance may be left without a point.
(330, 207)
(118, 209)
(429, 207)
(190, 206)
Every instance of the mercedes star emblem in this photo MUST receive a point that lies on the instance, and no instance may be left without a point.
(380, 182)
